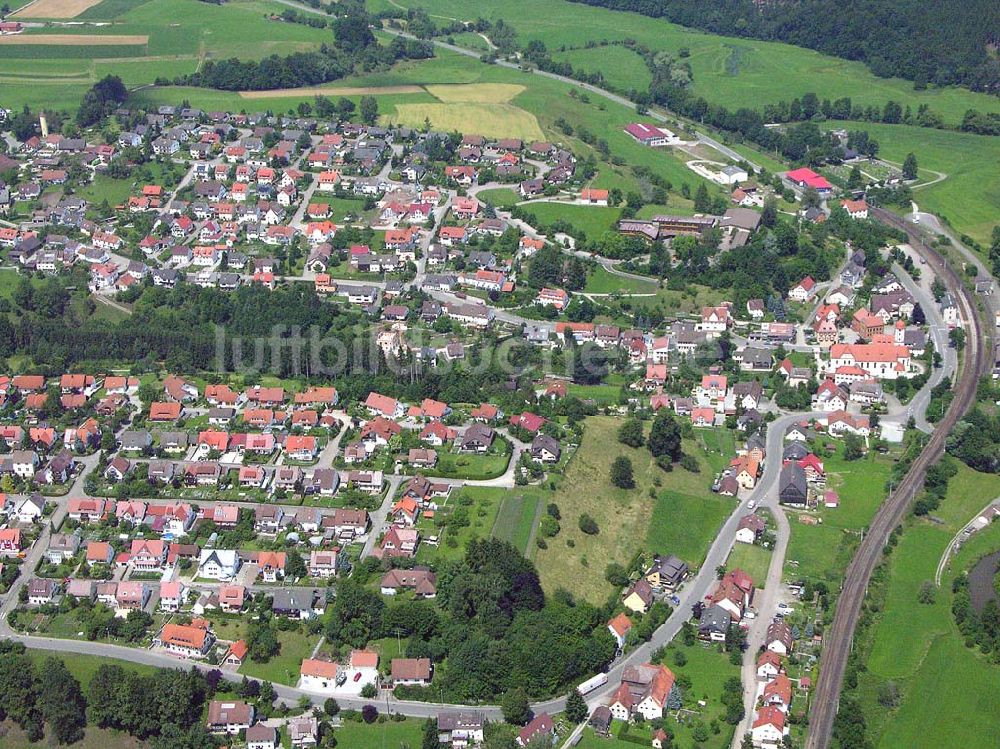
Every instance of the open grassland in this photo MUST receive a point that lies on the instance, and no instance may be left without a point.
(55, 8)
(918, 647)
(682, 519)
(970, 195)
(727, 70)
(622, 68)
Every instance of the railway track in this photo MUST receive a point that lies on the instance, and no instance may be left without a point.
(839, 637)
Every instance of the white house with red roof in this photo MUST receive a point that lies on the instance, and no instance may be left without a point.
(390, 408)
(855, 208)
(803, 291)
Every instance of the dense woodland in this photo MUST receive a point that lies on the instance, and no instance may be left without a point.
(937, 43)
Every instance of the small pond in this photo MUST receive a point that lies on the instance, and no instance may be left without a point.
(981, 577)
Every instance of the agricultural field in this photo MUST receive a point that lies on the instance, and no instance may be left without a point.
(482, 108)
(162, 39)
(682, 519)
(518, 515)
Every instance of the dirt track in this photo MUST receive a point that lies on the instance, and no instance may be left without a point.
(76, 40)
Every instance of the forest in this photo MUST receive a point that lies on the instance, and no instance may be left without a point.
(940, 43)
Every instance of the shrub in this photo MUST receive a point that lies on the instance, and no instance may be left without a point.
(588, 525)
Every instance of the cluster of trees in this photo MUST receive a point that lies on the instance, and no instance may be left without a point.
(549, 267)
(100, 100)
(36, 697)
(939, 43)
(975, 440)
(494, 625)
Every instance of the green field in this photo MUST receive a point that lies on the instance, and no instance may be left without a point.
(516, 518)
(686, 525)
(592, 220)
(622, 68)
(388, 735)
(602, 281)
(284, 667)
(682, 519)
(182, 34)
(500, 197)
(754, 559)
(970, 195)
(727, 70)
(823, 551)
(918, 646)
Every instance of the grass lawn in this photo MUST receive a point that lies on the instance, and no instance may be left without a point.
(389, 735)
(83, 667)
(708, 670)
(752, 558)
(629, 520)
(602, 281)
(284, 667)
(470, 467)
(822, 552)
(516, 518)
(861, 485)
(602, 394)
(592, 220)
(13, 737)
(499, 197)
(481, 513)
